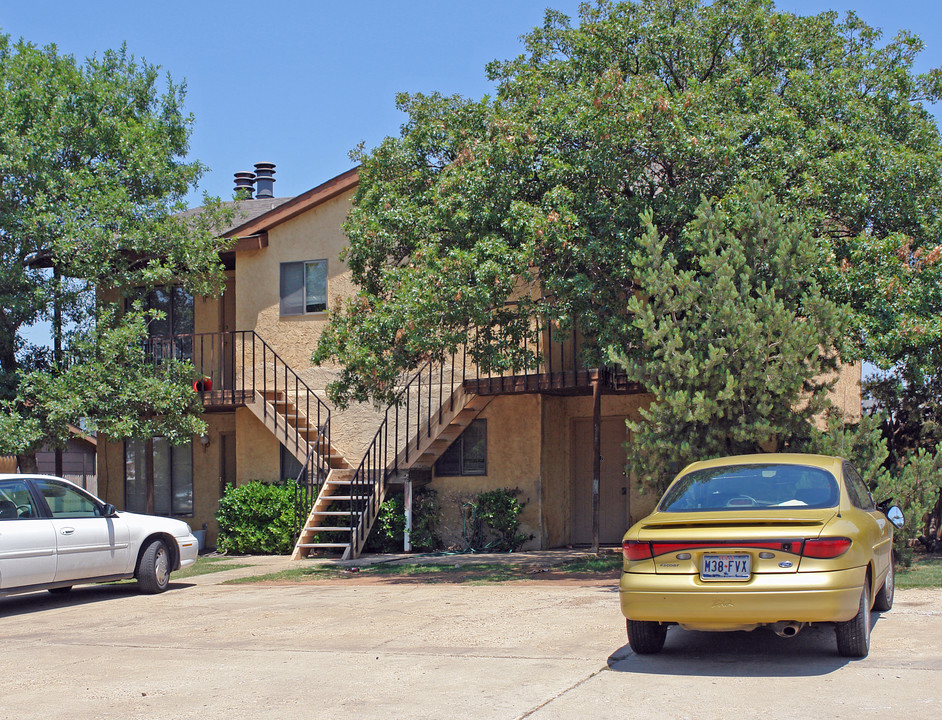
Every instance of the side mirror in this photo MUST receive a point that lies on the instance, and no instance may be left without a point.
(895, 516)
(108, 510)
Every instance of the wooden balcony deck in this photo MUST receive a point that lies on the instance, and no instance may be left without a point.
(567, 382)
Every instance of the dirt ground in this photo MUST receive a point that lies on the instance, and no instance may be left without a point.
(355, 647)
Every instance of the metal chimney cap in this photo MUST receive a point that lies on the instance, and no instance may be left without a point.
(244, 184)
(264, 180)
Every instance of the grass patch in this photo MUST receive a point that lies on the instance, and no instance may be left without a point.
(205, 565)
(925, 572)
(474, 574)
(593, 564)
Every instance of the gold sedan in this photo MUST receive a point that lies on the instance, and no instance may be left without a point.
(774, 540)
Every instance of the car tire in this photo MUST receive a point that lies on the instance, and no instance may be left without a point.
(853, 636)
(645, 637)
(884, 599)
(60, 590)
(153, 569)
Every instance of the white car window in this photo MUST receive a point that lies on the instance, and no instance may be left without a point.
(67, 502)
(15, 501)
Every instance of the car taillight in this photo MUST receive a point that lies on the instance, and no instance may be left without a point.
(825, 547)
(636, 550)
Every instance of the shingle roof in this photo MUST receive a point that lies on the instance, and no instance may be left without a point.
(244, 211)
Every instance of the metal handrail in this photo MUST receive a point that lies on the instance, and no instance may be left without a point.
(233, 366)
(415, 410)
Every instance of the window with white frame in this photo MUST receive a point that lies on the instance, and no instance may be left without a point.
(303, 287)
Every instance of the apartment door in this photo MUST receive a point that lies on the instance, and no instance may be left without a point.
(227, 461)
(613, 484)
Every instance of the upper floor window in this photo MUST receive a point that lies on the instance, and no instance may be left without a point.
(170, 335)
(303, 287)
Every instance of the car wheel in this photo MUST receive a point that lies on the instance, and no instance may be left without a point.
(645, 637)
(853, 636)
(60, 590)
(153, 570)
(884, 599)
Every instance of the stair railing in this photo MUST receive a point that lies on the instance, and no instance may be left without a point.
(421, 403)
(232, 367)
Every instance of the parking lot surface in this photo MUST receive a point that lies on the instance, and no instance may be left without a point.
(406, 650)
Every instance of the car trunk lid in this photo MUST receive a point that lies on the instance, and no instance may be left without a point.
(753, 542)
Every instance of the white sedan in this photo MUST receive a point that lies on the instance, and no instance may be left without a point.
(54, 535)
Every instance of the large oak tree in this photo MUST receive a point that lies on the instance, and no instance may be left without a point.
(92, 169)
(625, 121)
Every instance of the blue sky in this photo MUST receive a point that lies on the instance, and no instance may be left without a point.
(301, 83)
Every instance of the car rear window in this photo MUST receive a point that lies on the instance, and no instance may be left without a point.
(746, 487)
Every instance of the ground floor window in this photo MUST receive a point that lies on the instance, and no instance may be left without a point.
(173, 477)
(468, 454)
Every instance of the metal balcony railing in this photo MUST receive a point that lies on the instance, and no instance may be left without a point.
(239, 367)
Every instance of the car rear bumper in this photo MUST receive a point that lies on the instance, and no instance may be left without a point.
(685, 599)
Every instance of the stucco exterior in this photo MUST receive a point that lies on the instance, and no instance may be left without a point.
(536, 442)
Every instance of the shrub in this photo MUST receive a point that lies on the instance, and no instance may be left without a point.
(389, 527)
(257, 517)
(499, 511)
(386, 534)
(915, 487)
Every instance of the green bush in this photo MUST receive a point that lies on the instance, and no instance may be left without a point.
(389, 527)
(387, 532)
(257, 518)
(915, 487)
(499, 511)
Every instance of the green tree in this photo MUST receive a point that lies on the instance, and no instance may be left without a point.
(739, 349)
(539, 193)
(93, 169)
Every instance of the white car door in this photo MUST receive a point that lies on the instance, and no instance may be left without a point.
(87, 545)
(27, 541)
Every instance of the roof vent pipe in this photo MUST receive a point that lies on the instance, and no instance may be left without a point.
(264, 180)
(244, 185)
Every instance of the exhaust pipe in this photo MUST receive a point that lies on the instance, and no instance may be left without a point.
(787, 628)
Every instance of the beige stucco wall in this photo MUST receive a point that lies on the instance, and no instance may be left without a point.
(313, 235)
(258, 452)
(846, 393)
(513, 461)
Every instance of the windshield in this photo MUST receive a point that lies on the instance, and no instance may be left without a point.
(745, 487)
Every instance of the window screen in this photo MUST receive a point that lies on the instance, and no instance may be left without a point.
(303, 287)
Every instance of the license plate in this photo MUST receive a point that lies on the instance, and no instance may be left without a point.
(725, 567)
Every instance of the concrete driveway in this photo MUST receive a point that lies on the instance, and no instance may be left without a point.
(403, 650)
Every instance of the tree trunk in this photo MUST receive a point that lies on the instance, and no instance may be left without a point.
(27, 462)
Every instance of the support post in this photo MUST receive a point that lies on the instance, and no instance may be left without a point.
(407, 501)
(596, 458)
(57, 348)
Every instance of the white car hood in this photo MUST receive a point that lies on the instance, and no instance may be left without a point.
(146, 524)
